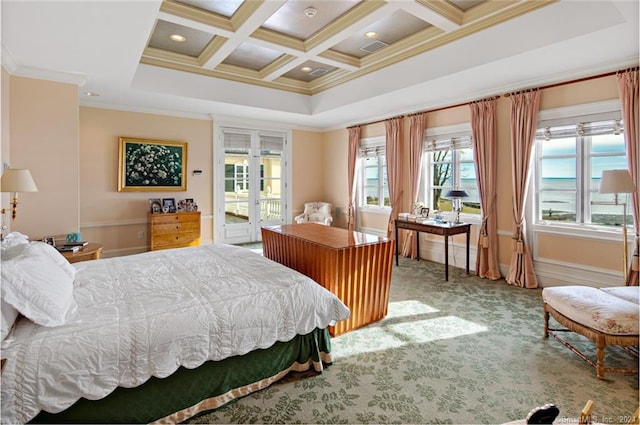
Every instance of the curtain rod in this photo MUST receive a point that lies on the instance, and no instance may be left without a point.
(578, 80)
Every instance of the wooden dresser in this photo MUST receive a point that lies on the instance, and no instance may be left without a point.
(174, 230)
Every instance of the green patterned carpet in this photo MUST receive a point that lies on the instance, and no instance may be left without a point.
(465, 351)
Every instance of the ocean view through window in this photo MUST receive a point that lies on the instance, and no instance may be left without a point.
(570, 161)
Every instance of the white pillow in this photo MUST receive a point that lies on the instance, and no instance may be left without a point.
(39, 284)
(9, 316)
(12, 245)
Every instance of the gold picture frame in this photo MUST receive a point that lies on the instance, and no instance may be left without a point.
(148, 165)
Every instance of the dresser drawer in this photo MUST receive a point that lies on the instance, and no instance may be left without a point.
(159, 219)
(180, 239)
(168, 229)
(174, 230)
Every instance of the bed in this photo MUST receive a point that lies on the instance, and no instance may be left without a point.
(607, 316)
(158, 336)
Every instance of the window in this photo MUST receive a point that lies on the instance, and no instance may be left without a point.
(449, 165)
(571, 155)
(373, 187)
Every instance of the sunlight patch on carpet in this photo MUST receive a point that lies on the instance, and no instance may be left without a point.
(409, 308)
(384, 336)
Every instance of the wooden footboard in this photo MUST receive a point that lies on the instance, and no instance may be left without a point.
(602, 340)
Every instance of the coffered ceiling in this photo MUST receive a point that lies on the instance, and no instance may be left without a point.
(308, 46)
(311, 63)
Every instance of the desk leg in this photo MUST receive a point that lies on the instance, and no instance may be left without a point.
(468, 238)
(446, 257)
(418, 245)
(396, 225)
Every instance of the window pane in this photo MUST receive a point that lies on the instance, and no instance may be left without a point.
(387, 198)
(442, 174)
(599, 163)
(606, 143)
(558, 205)
(371, 196)
(558, 173)
(565, 146)
(610, 215)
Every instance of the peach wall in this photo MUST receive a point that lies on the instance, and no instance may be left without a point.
(44, 138)
(114, 218)
(335, 180)
(307, 158)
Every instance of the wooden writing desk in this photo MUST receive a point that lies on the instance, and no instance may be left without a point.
(444, 229)
(354, 266)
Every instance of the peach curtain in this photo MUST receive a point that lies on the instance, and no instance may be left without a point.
(393, 132)
(628, 91)
(354, 145)
(483, 129)
(524, 116)
(417, 125)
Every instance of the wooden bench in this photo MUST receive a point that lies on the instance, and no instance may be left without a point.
(607, 316)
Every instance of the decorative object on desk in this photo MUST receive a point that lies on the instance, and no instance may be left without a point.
(616, 182)
(16, 180)
(424, 212)
(417, 208)
(67, 248)
(168, 205)
(49, 240)
(78, 244)
(151, 165)
(155, 206)
(74, 237)
(403, 216)
(456, 196)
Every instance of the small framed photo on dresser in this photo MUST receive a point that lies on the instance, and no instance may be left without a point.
(168, 205)
(155, 206)
(49, 240)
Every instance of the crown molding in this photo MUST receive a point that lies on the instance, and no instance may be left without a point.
(39, 73)
(7, 60)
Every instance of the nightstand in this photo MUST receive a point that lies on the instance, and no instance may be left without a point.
(92, 251)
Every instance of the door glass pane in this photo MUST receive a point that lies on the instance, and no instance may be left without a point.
(270, 184)
(236, 185)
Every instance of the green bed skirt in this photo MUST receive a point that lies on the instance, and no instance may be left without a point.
(189, 392)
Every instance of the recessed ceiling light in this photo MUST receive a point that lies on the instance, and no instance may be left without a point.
(90, 93)
(177, 37)
(305, 69)
(371, 34)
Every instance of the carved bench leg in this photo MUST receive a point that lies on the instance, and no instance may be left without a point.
(600, 345)
(546, 324)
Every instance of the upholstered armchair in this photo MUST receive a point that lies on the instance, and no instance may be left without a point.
(316, 212)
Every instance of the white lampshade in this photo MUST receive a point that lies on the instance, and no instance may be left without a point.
(616, 181)
(17, 180)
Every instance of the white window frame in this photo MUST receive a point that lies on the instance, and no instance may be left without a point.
(440, 136)
(368, 144)
(596, 111)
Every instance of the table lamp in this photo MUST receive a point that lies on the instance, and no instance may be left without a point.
(616, 182)
(16, 180)
(456, 196)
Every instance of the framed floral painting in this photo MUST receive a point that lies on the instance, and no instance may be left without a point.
(152, 165)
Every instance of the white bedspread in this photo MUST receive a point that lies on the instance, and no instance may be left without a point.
(145, 315)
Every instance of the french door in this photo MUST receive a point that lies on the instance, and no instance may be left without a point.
(250, 183)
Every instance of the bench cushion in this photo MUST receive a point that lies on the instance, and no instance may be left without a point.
(629, 293)
(594, 308)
